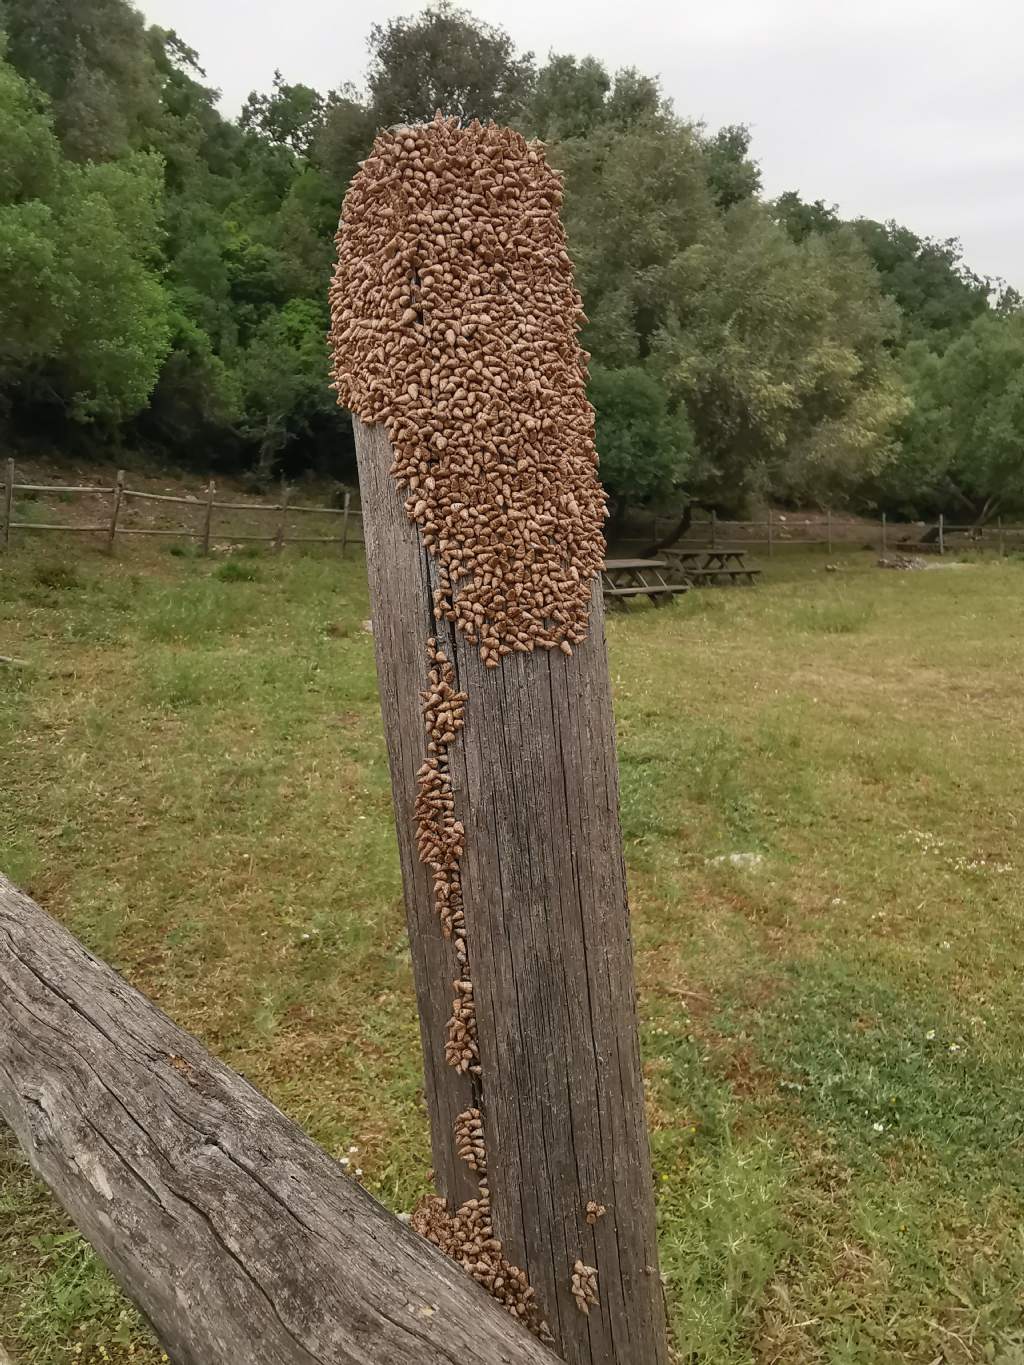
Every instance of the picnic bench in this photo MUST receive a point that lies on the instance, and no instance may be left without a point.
(705, 568)
(625, 578)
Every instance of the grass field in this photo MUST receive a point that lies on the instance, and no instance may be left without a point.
(195, 782)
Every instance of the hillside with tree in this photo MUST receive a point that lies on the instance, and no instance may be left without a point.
(164, 269)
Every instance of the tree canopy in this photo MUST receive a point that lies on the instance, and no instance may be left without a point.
(164, 271)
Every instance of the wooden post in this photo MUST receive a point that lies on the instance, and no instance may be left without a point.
(771, 538)
(211, 489)
(344, 522)
(561, 1092)
(885, 535)
(8, 502)
(1002, 538)
(829, 529)
(118, 495)
(239, 1238)
(279, 537)
(942, 534)
(714, 529)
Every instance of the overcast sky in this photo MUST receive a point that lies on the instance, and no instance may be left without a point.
(906, 109)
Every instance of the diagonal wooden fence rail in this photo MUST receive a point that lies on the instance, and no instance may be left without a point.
(239, 1239)
(118, 498)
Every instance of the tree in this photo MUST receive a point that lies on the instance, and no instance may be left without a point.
(732, 174)
(283, 383)
(568, 97)
(938, 294)
(93, 60)
(445, 59)
(83, 316)
(779, 351)
(292, 116)
(962, 443)
(645, 447)
(801, 219)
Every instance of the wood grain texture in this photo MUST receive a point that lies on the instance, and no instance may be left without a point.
(535, 782)
(238, 1238)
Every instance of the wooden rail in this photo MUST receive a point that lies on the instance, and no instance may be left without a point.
(205, 507)
(238, 1238)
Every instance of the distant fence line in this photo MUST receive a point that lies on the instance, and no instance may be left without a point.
(120, 496)
(779, 530)
(776, 530)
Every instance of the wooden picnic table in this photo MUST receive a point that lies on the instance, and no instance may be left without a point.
(624, 578)
(704, 568)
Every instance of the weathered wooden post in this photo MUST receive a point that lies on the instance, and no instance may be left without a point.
(8, 502)
(346, 512)
(211, 490)
(283, 519)
(454, 331)
(885, 535)
(115, 510)
(942, 534)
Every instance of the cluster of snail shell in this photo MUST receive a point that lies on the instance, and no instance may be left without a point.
(454, 324)
(467, 1235)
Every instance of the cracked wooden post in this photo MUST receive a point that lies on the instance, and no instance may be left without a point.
(554, 1108)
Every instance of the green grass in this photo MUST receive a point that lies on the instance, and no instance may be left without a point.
(833, 1032)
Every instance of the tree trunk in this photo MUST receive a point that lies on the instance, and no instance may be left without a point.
(238, 1238)
(678, 531)
(535, 784)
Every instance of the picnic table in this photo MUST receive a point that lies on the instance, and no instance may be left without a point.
(624, 578)
(704, 568)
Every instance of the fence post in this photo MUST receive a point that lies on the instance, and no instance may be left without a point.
(1002, 539)
(885, 535)
(534, 784)
(504, 776)
(118, 493)
(211, 489)
(279, 538)
(771, 538)
(8, 502)
(714, 530)
(344, 522)
(942, 534)
(829, 530)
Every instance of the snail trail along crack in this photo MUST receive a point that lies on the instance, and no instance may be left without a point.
(454, 321)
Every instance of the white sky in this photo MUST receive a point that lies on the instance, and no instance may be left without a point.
(905, 109)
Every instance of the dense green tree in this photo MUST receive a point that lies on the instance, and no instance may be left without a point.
(93, 60)
(646, 448)
(83, 315)
(445, 59)
(291, 115)
(732, 173)
(938, 294)
(800, 219)
(568, 97)
(962, 443)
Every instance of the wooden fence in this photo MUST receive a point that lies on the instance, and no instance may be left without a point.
(775, 531)
(118, 498)
(830, 531)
